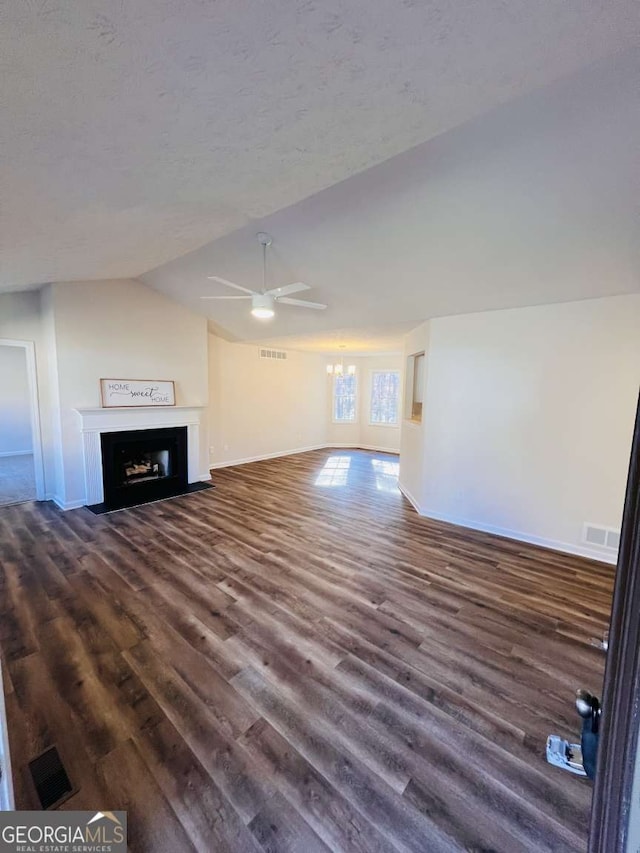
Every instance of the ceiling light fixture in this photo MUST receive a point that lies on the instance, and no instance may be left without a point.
(337, 369)
(262, 307)
(263, 302)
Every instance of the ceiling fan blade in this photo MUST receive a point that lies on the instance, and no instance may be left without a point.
(230, 283)
(286, 289)
(301, 303)
(226, 297)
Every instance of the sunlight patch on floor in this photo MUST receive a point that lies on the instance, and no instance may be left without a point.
(335, 472)
(386, 475)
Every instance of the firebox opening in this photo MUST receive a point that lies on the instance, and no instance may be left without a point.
(139, 466)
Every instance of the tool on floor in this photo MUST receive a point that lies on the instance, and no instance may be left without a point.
(579, 758)
(602, 644)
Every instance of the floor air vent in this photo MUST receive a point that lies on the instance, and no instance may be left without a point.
(50, 778)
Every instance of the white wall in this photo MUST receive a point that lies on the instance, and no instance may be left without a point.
(363, 433)
(15, 403)
(261, 407)
(528, 418)
(118, 329)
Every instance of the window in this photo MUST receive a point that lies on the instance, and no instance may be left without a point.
(344, 399)
(385, 392)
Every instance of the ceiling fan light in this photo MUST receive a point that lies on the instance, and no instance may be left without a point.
(262, 307)
(262, 313)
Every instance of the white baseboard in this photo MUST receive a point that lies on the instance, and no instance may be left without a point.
(6, 780)
(359, 446)
(519, 536)
(5, 453)
(414, 503)
(65, 505)
(245, 460)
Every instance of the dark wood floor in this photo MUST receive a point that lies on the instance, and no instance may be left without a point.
(295, 661)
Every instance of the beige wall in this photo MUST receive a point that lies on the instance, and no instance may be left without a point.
(528, 419)
(87, 330)
(119, 329)
(261, 407)
(363, 433)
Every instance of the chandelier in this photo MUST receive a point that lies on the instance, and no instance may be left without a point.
(338, 368)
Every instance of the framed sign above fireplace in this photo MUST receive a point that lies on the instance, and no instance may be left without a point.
(127, 393)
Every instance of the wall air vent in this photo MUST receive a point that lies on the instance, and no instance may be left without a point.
(613, 539)
(603, 537)
(272, 354)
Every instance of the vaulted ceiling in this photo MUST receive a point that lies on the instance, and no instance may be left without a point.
(535, 202)
(410, 158)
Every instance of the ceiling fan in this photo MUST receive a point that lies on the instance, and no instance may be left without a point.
(262, 302)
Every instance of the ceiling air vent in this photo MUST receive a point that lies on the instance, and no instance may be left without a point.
(272, 354)
(603, 537)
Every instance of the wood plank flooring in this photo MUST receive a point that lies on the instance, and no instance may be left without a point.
(295, 661)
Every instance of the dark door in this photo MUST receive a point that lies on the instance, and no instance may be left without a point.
(621, 692)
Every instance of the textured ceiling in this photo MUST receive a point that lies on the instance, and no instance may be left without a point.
(536, 202)
(133, 132)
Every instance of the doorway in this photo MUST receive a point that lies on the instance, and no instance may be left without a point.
(21, 476)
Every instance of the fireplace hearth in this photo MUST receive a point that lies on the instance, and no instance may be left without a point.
(139, 466)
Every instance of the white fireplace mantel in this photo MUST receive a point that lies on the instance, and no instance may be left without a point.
(95, 421)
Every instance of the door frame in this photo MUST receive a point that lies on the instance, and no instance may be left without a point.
(34, 405)
(613, 786)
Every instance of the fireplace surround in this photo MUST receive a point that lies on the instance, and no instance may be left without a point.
(94, 422)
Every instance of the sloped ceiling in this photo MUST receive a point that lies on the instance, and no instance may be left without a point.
(133, 133)
(535, 202)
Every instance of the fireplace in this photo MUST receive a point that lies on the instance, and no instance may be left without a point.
(143, 465)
